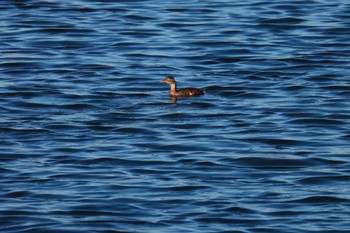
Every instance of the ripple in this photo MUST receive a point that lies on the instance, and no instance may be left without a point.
(324, 180)
(275, 162)
(316, 121)
(91, 141)
(321, 199)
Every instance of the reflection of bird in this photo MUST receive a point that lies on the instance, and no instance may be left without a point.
(186, 92)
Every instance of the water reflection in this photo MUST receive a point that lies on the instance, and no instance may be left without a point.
(173, 99)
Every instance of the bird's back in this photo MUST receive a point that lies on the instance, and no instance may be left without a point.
(189, 92)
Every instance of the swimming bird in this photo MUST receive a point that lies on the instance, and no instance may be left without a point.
(185, 92)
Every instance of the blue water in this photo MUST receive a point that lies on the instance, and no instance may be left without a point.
(91, 141)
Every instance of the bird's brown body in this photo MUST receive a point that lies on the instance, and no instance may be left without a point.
(186, 92)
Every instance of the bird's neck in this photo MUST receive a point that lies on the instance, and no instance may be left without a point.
(173, 88)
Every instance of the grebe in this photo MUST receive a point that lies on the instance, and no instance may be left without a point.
(186, 92)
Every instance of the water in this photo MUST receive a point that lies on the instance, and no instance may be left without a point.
(91, 142)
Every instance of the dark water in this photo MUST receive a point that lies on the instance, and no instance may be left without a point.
(90, 141)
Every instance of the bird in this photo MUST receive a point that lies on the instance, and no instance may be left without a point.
(185, 92)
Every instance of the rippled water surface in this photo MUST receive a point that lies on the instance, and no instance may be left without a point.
(91, 141)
